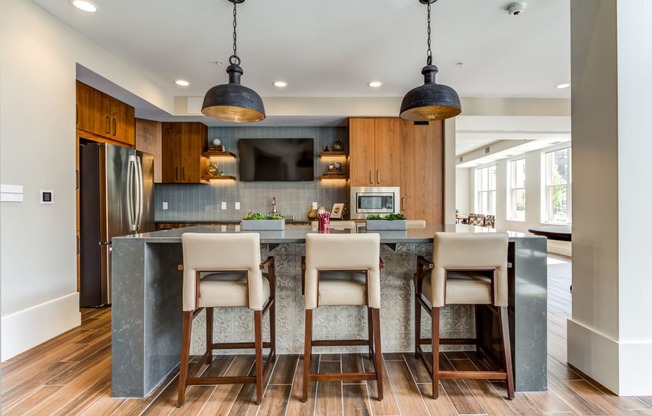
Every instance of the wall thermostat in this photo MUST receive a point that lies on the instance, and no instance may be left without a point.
(47, 196)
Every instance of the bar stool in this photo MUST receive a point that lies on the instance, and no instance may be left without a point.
(224, 270)
(343, 270)
(466, 269)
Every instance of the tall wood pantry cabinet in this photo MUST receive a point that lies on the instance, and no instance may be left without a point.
(182, 145)
(104, 116)
(422, 168)
(375, 158)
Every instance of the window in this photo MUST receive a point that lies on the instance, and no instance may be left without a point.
(516, 190)
(557, 186)
(485, 190)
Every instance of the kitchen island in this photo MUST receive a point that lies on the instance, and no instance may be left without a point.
(147, 290)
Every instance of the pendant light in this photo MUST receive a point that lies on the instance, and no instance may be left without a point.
(431, 101)
(232, 101)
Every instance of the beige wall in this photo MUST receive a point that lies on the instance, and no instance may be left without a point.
(38, 57)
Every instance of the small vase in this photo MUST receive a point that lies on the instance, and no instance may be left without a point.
(312, 214)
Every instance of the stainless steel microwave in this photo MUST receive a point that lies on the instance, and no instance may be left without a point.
(369, 200)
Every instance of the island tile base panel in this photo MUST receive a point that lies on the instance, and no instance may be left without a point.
(330, 322)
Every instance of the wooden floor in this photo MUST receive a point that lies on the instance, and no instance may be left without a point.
(71, 375)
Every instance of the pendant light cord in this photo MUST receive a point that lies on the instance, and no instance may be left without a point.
(429, 54)
(234, 59)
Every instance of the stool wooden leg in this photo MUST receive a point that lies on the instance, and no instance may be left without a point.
(209, 334)
(258, 341)
(370, 330)
(272, 330)
(507, 348)
(378, 357)
(307, 354)
(435, 353)
(185, 356)
(417, 325)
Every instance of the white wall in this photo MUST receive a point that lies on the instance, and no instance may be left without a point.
(463, 190)
(38, 55)
(609, 334)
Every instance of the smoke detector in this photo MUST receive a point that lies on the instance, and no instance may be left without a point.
(515, 9)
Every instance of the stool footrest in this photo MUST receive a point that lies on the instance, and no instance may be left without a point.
(339, 342)
(342, 376)
(237, 345)
(207, 381)
(474, 375)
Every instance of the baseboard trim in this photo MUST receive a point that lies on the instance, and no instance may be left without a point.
(30, 327)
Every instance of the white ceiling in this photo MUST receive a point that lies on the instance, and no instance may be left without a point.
(333, 48)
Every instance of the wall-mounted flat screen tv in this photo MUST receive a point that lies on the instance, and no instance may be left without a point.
(274, 160)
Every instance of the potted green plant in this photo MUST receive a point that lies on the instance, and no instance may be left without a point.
(262, 222)
(389, 222)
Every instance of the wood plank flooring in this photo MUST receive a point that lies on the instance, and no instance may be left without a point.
(71, 375)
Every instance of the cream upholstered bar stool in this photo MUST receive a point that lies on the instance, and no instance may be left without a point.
(343, 270)
(465, 269)
(224, 270)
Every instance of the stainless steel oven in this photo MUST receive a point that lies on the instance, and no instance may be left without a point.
(369, 200)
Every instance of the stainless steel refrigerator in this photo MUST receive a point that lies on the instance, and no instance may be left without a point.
(116, 198)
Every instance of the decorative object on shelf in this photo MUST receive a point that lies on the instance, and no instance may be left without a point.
(430, 101)
(389, 222)
(233, 101)
(262, 222)
(326, 149)
(334, 169)
(312, 214)
(338, 146)
(323, 221)
(215, 146)
(213, 170)
(338, 210)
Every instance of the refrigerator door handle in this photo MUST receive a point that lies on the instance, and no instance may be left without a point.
(130, 192)
(139, 192)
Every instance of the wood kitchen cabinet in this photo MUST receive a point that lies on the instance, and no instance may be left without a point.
(422, 164)
(104, 116)
(375, 151)
(182, 145)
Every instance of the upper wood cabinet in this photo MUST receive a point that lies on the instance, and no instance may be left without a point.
(375, 157)
(104, 116)
(422, 164)
(182, 147)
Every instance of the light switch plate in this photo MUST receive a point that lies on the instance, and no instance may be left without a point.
(165, 206)
(237, 205)
(47, 196)
(223, 205)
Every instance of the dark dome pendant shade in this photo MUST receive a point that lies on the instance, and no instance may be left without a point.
(233, 102)
(430, 101)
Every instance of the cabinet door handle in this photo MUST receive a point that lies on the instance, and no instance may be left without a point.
(108, 125)
(371, 182)
(378, 177)
(76, 114)
(403, 203)
(184, 173)
(115, 130)
(176, 173)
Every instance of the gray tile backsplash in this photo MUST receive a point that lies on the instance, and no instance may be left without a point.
(203, 202)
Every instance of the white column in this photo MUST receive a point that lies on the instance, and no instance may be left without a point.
(610, 332)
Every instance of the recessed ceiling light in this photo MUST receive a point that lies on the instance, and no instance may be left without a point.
(84, 5)
(280, 84)
(375, 84)
(562, 86)
(182, 82)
